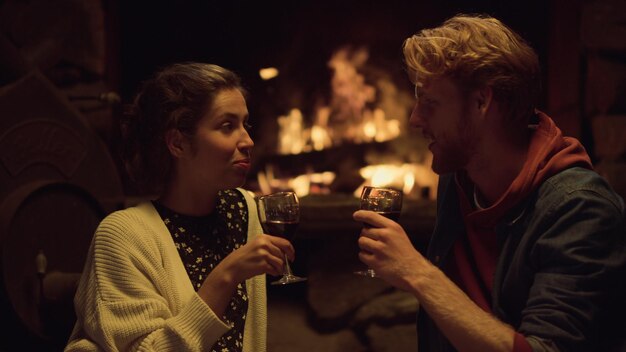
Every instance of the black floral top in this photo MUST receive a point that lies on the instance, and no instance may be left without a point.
(202, 243)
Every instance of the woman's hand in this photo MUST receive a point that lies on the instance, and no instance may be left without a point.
(263, 255)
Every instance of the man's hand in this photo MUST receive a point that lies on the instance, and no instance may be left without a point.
(386, 248)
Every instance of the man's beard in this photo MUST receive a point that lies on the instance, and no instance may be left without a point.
(454, 153)
(452, 156)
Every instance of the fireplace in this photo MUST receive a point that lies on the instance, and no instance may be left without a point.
(326, 148)
(354, 134)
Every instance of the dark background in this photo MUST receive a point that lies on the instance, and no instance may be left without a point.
(580, 44)
(297, 37)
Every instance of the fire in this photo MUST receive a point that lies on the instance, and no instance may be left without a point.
(352, 115)
(412, 179)
(291, 137)
(360, 110)
(302, 185)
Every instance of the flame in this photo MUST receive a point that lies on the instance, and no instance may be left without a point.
(410, 178)
(358, 111)
(302, 185)
(409, 182)
(384, 176)
(348, 116)
(369, 130)
(319, 137)
(290, 136)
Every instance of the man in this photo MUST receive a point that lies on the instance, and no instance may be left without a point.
(528, 251)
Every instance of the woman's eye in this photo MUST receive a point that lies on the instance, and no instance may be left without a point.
(247, 126)
(226, 126)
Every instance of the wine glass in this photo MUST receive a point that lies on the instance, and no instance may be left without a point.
(279, 214)
(384, 201)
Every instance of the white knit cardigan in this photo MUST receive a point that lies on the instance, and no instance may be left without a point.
(135, 294)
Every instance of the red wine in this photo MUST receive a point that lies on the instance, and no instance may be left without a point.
(393, 215)
(281, 228)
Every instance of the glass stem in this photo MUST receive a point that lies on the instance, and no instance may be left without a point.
(287, 270)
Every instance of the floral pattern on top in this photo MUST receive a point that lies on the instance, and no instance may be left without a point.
(203, 242)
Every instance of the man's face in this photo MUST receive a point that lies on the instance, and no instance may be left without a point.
(443, 114)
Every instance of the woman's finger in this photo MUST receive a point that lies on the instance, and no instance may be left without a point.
(276, 264)
(283, 246)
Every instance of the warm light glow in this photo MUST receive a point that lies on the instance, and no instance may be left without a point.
(291, 134)
(353, 114)
(384, 176)
(409, 182)
(410, 178)
(369, 130)
(268, 73)
(320, 138)
(325, 178)
(302, 185)
(361, 108)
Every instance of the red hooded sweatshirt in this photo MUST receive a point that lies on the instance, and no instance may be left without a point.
(549, 153)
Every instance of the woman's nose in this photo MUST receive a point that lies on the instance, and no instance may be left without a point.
(246, 141)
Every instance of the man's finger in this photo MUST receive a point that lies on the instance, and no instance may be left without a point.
(372, 218)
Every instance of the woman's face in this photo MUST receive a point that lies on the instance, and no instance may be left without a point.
(218, 156)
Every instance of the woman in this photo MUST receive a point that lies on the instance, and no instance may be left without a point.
(182, 272)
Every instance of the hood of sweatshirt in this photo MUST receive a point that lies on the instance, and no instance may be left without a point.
(549, 153)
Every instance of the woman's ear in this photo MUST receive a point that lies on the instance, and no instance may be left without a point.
(176, 143)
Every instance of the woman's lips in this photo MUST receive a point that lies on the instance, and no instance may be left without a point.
(242, 164)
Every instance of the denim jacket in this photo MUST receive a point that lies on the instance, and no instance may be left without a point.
(560, 275)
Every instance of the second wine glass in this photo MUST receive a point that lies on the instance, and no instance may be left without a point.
(279, 214)
(384, 201)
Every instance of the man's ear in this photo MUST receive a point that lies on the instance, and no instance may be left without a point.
(483, 98)
(176, 143)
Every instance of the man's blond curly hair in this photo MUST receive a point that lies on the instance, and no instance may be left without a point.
(477, 51)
